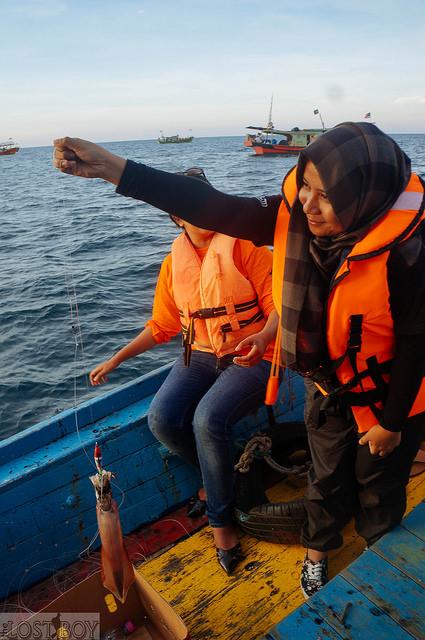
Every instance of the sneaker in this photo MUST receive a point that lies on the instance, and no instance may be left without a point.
(314, 576)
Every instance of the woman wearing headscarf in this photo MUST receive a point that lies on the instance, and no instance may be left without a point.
(348, 285)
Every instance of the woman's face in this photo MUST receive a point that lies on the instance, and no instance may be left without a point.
(321, 218)
(196, 234)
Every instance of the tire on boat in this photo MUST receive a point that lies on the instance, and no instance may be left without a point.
(279, 522)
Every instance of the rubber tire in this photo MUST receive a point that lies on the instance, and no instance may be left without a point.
(279, 522)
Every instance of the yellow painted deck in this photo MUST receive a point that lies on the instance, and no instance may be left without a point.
(264, 589)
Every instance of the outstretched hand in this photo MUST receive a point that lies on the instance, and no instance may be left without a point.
(98, 375)
(87, 160)
(380, 440)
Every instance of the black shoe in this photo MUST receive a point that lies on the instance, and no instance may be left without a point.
(229, 558)
(196, 507)
(314, 576)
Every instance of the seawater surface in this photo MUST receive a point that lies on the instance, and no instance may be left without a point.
(60, 234)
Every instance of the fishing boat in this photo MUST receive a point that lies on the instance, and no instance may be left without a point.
(283, 143)
(173, 139)
(49, 521)
(270, 141)
(8, 148)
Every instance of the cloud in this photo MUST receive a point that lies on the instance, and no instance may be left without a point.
(141, 12)
(410, 100)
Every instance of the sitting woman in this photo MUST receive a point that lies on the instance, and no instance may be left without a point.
(217, 291)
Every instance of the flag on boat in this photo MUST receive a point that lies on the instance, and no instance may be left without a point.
(316, 111)
(367, 115)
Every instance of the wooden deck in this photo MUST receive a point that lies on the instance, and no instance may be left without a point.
(265, 587)
(380, 595)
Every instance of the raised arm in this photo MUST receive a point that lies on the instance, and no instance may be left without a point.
(193, 200)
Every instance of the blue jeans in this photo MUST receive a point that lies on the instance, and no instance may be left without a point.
(193, 414)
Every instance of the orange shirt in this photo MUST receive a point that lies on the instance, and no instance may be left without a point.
(255, 263)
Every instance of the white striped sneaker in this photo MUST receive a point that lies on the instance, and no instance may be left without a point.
(314, 576)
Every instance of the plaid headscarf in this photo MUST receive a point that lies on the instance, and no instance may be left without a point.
(363, 172)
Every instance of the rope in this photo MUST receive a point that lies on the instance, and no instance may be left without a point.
(260, 445)
(261, 442)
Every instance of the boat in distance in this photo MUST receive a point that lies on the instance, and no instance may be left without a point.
(280, 142)
(8, 148)
(174, 139)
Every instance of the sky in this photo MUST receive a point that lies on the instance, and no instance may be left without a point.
(125, 70)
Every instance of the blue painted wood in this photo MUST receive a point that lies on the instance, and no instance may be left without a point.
(363, 619)
(415, 521)
(380, 595)
(174, 486)
(390, 590)
(47, 504)
(405, 551)
(47, 553)
(302, 623)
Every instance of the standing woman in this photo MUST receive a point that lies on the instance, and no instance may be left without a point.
(348, 285)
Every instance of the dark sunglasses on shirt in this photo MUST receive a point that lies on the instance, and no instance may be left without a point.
(194, 172)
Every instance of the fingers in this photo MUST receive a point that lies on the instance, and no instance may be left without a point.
(66, 166)
(98, 376)
(67, 143)
(250, 359)
(373, 448)
(65, 159)
(65, 153)
(245, 343)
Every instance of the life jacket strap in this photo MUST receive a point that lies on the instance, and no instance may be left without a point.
(226, 328)
(374, 370)
(188, 333)
(361, 398)
(215, 312)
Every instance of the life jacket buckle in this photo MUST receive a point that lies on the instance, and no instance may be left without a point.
(204, 314)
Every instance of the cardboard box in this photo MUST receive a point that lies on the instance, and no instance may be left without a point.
(152, 616)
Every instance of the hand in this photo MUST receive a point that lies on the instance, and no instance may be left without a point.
(98, 374)
(88, 160)
(380, 440)
(254, 347)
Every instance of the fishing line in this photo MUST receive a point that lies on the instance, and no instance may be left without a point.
(74, 316)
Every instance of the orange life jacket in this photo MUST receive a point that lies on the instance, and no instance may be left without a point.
(218, 306)
(359, 331)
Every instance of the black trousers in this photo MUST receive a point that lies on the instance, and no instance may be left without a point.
(347, 481)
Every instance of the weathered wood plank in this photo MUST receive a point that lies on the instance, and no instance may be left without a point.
(264, 589)
(303, 623)
(265, 586)
(352, 615)
(405, 551)
(42, 515)
(415, 522)
(390, 590)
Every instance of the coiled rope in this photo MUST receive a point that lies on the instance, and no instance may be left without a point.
(260, 446)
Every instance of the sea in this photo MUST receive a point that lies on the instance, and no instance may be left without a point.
(79, 263)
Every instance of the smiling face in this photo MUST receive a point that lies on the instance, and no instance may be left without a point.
(321, 218)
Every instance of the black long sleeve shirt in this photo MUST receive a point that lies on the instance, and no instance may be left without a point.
(254, 219)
